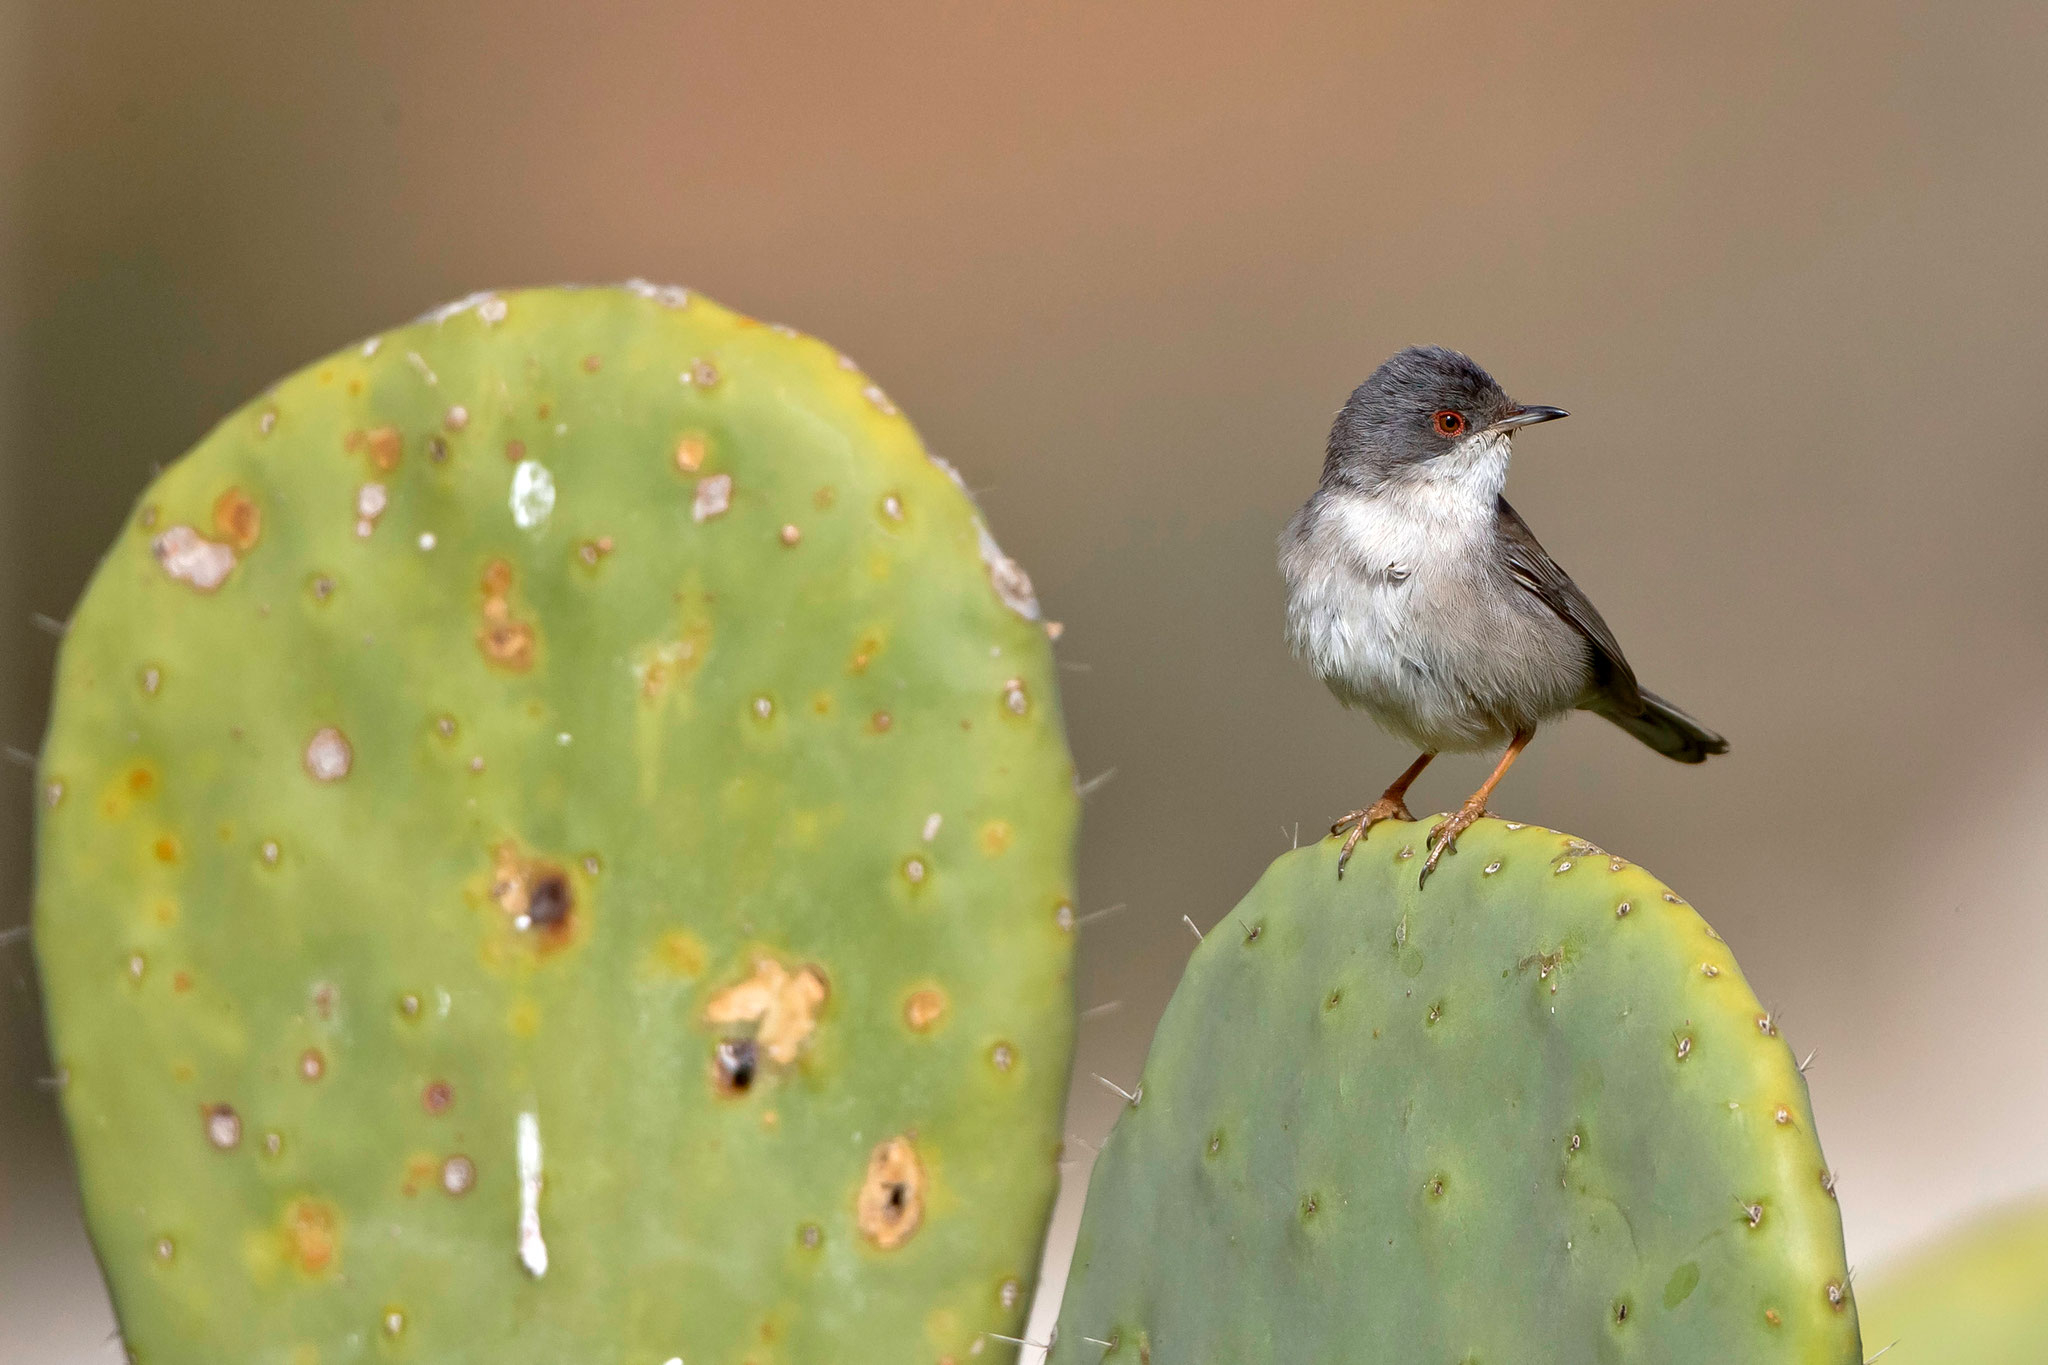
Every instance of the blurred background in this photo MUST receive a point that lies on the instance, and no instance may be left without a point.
(1785, 265)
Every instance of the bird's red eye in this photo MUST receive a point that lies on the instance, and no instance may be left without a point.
(1449, 423)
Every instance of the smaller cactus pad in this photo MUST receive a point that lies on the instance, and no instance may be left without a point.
(1979, 1296)
(1530, 1112)
(556, 846)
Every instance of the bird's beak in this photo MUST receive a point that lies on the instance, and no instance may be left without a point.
(1519, 416)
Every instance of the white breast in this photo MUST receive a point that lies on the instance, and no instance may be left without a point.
(1392, 600)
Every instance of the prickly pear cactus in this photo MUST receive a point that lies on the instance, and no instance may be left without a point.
(1530, 1113)
(556, 846)
(1979, 1296)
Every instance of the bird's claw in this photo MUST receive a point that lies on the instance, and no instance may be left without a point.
(1444, 838)
(1359, 822)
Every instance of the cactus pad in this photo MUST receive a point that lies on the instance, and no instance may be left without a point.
(1529, 1113)
(1979, 1296)
(555, 845)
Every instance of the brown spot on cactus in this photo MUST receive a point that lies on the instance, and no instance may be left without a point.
(783, 1005)
(312, 1064)
(236, 519)
(504, 642)
(996, 837)
(192, 559)
(436, 1098)
(166, 849)
(924, 1009)
(534, 893)
(733, 1063)
(690, 453)
(385, 446)
(890, 1204)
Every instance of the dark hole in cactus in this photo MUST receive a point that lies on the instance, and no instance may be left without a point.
(899, 1198)
(736, 1061)
(550, 902)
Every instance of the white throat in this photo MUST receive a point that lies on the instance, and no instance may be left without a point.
(1458, 488)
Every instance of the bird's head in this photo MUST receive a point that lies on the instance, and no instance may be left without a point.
(1428, 413)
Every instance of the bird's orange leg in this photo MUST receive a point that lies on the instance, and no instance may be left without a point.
(1390, 806)
(1444, 837)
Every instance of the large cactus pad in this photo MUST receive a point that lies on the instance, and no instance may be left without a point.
(1977, 1296)
(1530, 1112)
(556, 846)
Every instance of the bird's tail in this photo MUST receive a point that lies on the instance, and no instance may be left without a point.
(1664, 728)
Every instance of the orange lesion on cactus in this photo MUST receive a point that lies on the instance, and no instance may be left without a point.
(422, 1171)
(505, 643)
(680, 953)
(924, 1009)
(312, 1235)
(783, 1005)
(385, 446)
(120, 795)
(690, 452)
(996, 837)
(890, 1204)
(864, 651)
(236, 519)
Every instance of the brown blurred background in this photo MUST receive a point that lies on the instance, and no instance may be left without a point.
(1785, 264)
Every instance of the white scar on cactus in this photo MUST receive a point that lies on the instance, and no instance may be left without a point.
(533, 1249)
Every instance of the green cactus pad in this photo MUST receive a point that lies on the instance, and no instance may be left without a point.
(1979, 1296)
(556, 845)
(1529, 1113)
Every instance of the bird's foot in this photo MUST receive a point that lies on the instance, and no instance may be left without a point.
(1359, 822)
(1444, 838)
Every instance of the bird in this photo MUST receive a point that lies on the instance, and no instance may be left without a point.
(1419, 596)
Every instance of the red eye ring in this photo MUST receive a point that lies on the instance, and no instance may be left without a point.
(1449, 422)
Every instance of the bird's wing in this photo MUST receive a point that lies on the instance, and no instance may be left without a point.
(1532, 567)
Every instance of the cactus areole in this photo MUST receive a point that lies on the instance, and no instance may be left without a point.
(556, 844)
(1530, 1114)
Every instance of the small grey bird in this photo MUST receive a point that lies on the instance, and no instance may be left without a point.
(1419, 596)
